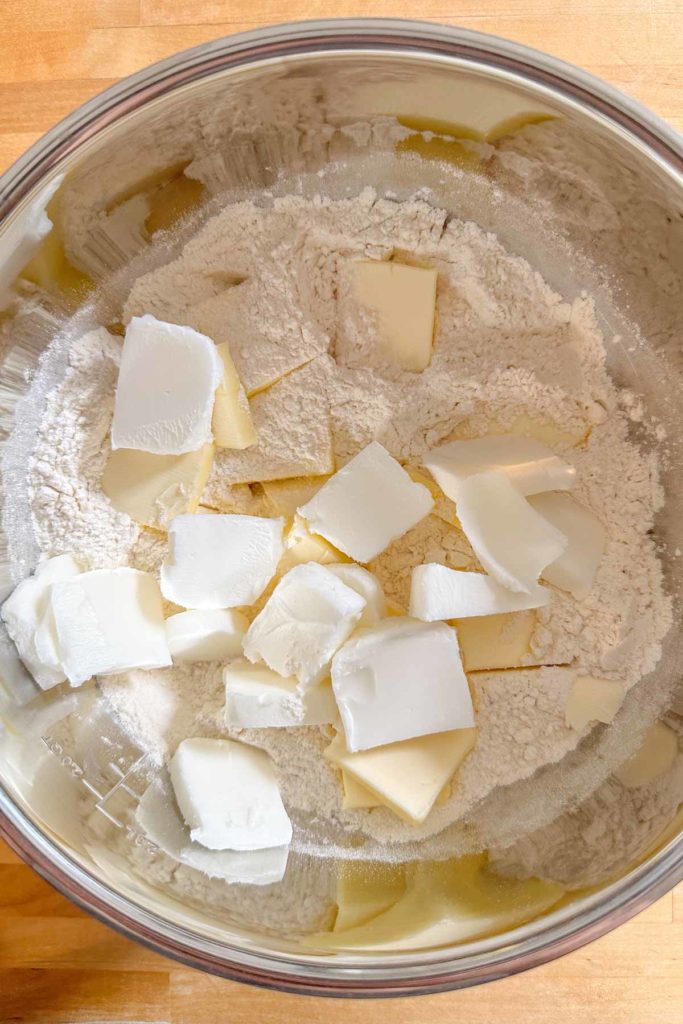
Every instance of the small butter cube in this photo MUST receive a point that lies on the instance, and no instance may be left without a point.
(303, 546)
(496, 641)
(220, 561)
(408, 776)
(165, 392)
(655, 756)
(213, 634)
(153, 489)
(288, 495)
(369, 503)
(438, 592)
(511, 539)
(258, 698)
(108, 621)
(592, 700)
(231, 422)
(398, 680)
(365, 584)
(531, 466)
(228, 795)
(356, 796)
(25, 613)
(307, 618)
(403, 300)
(576, 567)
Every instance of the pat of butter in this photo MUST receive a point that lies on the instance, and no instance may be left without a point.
(513, 542)
(287, 495)
(220, 561)
(496, 641)
(655, 756)
(258, 698)
(592, 700)
(398, 680)
(438, 592)
(165, 392)
(356, 796)
(228, 795)
(153, 489)
(302, 546)
(108, 621)
(406, 776)
(304, 622)
(231, 422)
(365, 584)
(25, 614)
(576, 567)
(213, 634)
(403, 300)
(367, 504)
(528, 464)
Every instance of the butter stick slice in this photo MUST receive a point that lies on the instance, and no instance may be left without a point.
(152, 489)
(231, 424)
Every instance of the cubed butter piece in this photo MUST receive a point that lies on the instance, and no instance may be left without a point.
(438, 592)
(220, 561)
(356, 796)
(399, 680)
(528, 464)
(165, 392)
(231, 422)
(576, 567)
(496, 641)
(212, 634)
(258, 698)
(406, 776)
(655, 756)
(403, 301)
(108, 621)
(288, 495)
(153, 489)
(303, 546)
(592, 700)
(304, 622)
(228, 795)
(367, 504)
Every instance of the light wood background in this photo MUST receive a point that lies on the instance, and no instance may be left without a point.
(57, 966)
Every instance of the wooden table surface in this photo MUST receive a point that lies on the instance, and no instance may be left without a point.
(57, 965)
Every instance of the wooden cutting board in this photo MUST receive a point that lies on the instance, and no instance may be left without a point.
(57, 965)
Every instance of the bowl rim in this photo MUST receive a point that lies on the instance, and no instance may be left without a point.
(406, 974)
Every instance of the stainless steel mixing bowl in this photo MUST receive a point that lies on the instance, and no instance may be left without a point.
(275, 99)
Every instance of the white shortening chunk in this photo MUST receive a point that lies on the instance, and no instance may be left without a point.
(258, 698)
(528, 464)
(408, 776)
(592, 700)
(575, 569)
(165, 392)
(26, 615)
(220, 561)
(108, 621)
(398, 680)
(512, 540)
(153, 489)
(367, 504)
(403, 299)
(306, 619)
(438, 592)
(213, 634)
(228, 795)
(368, 586)
(231, 422)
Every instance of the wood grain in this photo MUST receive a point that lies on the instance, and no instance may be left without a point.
(58, 966)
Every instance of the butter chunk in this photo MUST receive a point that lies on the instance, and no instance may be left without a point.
(403, 301)
(153, 489)
(108, 621)
(367, 504)
(213, 634)
(306, 619)
(303, 546)
(496, 641)
(398, 680)
(576, 567)
(592, 700)
(655, 756)
(292, 423)
(513, 542)
(356, 796)
(438, 592)
(231, 421)
(220, 561)
(258, 698)
(165, 391)
(528, 464)
(228, 795)
(287, 495)
(407, 776)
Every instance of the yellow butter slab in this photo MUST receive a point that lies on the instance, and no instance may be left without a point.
(231, 423)
(495, 641)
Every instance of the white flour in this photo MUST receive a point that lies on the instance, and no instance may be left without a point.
(506, 347)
